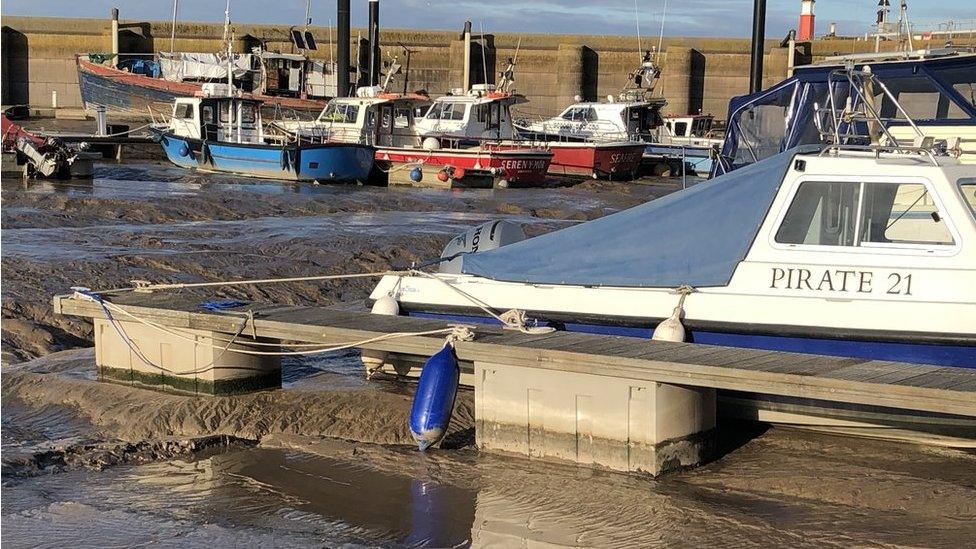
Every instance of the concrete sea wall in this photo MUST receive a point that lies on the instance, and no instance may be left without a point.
(698, 73)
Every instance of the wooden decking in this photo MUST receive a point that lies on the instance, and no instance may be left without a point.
(866, 382)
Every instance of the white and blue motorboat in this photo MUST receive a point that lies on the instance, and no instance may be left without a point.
(859, 251)
(220, 131)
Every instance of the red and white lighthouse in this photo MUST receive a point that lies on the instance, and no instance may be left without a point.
(806, 20)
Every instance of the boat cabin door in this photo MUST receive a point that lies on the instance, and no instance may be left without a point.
(384, 129)
(208, 120)
(640, 121)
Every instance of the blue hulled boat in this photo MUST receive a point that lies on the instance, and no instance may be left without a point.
(220, 131)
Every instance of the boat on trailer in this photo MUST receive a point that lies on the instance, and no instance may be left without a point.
(843, 249)
(219, 130)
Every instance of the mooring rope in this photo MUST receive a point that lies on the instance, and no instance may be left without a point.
(453, 334)
(145, 286)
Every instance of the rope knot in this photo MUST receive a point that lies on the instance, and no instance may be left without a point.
(460, 332)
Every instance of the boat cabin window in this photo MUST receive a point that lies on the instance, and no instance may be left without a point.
(401, 117)
(340, 113)
(680, 129)
(580, 114)
(446, 111)
(248, 113)
(207, 114)
(822, 214)
(968, 188)
(901, 213)
(224, 109)
(489, 114)
(863, 214)
(183, 111)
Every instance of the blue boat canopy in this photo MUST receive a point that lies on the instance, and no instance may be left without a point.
(935, 91)
(695, 237)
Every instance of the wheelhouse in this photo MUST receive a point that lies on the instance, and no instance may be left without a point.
(482, 113)
(215, 117)
(386, 120)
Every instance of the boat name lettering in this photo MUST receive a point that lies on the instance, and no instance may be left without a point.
(617, 158)
(837, 280)
(476, 239)
(524, 164)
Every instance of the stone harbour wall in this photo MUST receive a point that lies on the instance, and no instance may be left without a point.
(699, 74)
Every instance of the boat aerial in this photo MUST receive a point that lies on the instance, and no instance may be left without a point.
(936, 90)
(220, 130)
(859, 251)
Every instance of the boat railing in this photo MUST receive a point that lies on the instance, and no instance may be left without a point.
(840, 127)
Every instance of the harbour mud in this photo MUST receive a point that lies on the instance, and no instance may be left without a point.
(328, 459)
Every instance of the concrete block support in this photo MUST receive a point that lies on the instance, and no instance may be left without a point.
(192, 367)
(569, 59)
(616, 423)
(676, 76)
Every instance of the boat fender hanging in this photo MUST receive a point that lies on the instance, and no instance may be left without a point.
(433, 403)
(416, 174)
(671, 329)
(442, 176)
(184, 150)
(458, 173)
(373, 359)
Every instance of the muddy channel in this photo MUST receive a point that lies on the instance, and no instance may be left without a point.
(327, 460)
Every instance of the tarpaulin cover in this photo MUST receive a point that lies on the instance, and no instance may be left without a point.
(694, 237)
(177, 67)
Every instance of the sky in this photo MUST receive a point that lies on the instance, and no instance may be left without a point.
(725, 18)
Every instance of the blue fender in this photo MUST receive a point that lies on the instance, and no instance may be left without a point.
(433, 403)
(184, 150)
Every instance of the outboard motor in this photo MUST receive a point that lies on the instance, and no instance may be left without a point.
(484, 237)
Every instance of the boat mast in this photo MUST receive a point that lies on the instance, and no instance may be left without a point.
(172, 31)
(227, 24)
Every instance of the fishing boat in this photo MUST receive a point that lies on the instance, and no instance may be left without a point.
(392, 123)
(220, 130)
(134, 93)
(134, 86)
(482, 117)
(634, 115)
(861, 251)
(935, 92)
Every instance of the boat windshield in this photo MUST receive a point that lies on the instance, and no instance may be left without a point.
(580, 114)
(968, 188)
(446, 111)
(340, 113)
